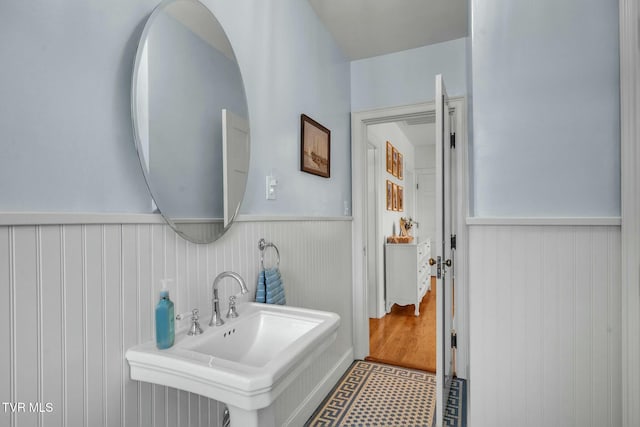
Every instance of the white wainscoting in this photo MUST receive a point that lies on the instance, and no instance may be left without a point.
(545, 326)
(73, 298)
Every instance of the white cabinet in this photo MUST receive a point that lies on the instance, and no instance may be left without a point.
(407, 273)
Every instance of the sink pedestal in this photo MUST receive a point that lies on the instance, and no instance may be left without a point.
(257, 418)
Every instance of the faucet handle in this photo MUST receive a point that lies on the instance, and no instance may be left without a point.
(233, 312)
(193, 313)
(195, 324)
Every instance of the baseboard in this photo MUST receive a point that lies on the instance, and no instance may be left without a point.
(302, 413)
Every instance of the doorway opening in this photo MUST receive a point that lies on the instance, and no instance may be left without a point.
(362, 301)
(401, 315)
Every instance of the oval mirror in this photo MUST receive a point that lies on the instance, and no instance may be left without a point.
(190, 120)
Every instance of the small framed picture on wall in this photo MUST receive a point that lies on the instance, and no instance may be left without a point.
(394, 171)
(389, 157)
(394, 197)
(400, 198)
(389, 195)
(315, 150)
(400, 166)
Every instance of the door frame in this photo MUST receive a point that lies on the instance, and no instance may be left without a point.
(378, 310)
(359, 122)
(630, 209)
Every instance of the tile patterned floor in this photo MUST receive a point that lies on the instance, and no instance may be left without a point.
(456, 411)
(378, 395)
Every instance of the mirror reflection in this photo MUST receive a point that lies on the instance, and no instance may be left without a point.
(191, 120)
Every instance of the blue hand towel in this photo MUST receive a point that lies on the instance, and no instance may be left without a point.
(270, 288)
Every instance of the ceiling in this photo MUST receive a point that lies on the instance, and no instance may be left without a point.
(419, 134)
(366, 28)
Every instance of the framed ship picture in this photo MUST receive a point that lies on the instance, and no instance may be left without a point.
(315, 150)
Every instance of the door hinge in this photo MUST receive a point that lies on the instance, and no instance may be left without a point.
(453, 241)
(454, 339)
(417, 186)
(452, 139)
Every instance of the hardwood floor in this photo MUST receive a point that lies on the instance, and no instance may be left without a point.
(402, 339)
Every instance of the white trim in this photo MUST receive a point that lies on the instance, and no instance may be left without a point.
(630, 202)
(359, 122)
(71, 218)
(271, 218)
(544, 221)
(302, 413)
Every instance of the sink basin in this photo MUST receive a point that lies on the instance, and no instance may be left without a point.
(245, 363)
(256, 339)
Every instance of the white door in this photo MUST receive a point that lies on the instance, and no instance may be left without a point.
(235, 163)
(426, 205)
(444, 261)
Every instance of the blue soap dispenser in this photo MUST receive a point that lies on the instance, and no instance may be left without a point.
(165, 318)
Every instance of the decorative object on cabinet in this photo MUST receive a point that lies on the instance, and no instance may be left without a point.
(400, 198)
(400, 166)
(315, 150)
(389, 195)
(406, 223)
(407, 274)
(389, 157)
(399, 239)
(395, 162)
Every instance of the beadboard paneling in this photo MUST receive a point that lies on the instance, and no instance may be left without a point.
(545, 326)
(73, 298)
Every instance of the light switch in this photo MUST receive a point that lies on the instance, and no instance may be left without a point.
(272, 183)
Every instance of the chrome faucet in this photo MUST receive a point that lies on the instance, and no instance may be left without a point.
(216, 318)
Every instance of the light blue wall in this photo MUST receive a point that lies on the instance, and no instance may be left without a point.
(408, 77)
(65, 121)
(65, 126)
(545, 108)
(290, 65)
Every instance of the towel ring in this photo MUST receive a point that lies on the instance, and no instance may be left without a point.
(263, 245)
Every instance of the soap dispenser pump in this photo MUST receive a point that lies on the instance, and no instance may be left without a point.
(165, 319)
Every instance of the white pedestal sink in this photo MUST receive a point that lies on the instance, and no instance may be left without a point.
(245, 363)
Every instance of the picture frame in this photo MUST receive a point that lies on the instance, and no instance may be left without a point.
(394, 196)
(389, 195)
(400, 166)
(395, 162)
(315, 147)
(400, 198)
(389, 157)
